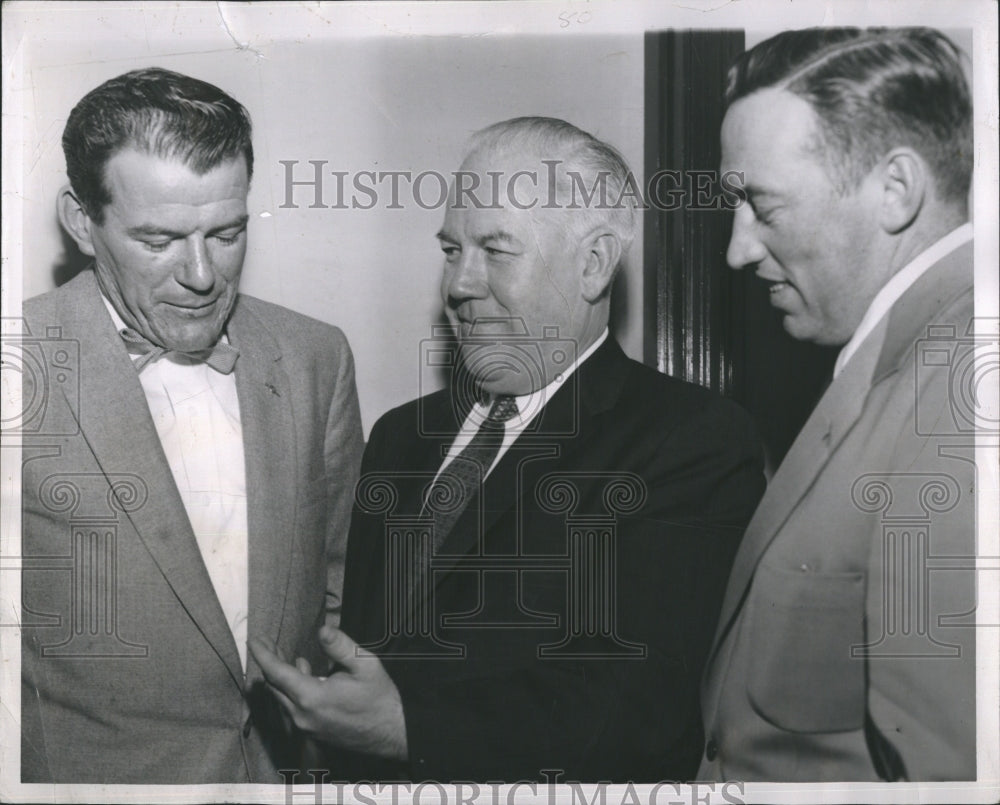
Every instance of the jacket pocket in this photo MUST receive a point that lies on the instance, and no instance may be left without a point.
(803, 625)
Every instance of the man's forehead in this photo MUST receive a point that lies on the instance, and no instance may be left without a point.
(502, 190)
(767, 125)
(148, 178)
(150, 194)
(487, 223)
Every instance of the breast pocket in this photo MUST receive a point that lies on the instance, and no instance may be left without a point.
(803, 625)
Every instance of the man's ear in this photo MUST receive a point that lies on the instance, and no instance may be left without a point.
(602, 252)
(904, 185)
(74, 220)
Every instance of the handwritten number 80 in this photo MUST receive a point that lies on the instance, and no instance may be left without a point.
(567, 18)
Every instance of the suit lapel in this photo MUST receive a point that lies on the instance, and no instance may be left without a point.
(880, 355)
(832, 419)
(439, 416)
(932, 291)
(553, 435)
(266, 417)
(115, 421)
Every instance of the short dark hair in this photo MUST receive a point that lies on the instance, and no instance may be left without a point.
(158, 112)
(872, 89)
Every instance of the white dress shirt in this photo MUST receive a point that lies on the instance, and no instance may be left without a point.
(197, 416)
(528, 407)
(898, 285)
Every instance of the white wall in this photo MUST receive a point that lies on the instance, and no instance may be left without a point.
(389, 102)
(393, 103)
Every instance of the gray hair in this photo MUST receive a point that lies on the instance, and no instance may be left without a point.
(586, 165)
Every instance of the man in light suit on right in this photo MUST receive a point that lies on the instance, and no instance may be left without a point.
(846, 648)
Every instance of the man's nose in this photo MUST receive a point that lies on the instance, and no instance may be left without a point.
(465, 278)
(196, 273)
(745, 248)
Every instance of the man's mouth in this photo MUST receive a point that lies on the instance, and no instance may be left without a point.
(195, 304)
(193, 309)
(775, 285)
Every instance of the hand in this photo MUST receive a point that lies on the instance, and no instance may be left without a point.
(357, 707)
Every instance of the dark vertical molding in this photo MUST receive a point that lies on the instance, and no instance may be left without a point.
(704, 322)
(693, 303)
(654, 307)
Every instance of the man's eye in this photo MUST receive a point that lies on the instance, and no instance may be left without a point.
(157, 245)
(762, 215)
(450, 252)
(494, 252)
(228, 240)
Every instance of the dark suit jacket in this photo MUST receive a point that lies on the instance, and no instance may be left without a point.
(845, 649)
(130, 672)
(671, 469)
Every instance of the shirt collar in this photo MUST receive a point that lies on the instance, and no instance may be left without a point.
(118, 321)
(898, 285)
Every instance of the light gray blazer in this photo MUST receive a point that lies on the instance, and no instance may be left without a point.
(845, 648)
(130, 672)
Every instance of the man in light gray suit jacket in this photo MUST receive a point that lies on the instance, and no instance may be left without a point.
(846, 645)
(188, 477)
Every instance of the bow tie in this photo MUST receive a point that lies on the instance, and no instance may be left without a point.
(221, 357)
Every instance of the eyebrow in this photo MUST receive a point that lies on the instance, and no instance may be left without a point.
(496, 235)
(153, 229)
(236, 223)
(756, 191)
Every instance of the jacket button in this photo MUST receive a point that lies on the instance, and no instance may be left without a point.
(711, 750)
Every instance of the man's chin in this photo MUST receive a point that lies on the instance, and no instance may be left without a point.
(512, 385)
(812, 333)
(797, 328)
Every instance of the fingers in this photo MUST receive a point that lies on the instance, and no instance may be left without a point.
(287, 705)
(356, 708)
(340, 648)
(290, 682)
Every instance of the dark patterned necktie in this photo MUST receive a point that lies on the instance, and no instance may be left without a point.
(222, 357)
(462, 479)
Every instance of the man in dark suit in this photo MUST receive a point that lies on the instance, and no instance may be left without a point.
(846, 646)
(187, 478)
(555, 616)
